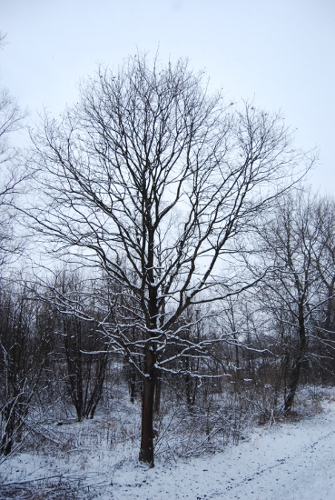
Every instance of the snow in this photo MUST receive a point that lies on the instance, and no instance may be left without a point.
(285, 460)
(290, 460)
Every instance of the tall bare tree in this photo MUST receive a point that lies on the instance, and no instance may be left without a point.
(151, 178)
(324, 261)
(324, 257)
(11, 173)
(21, 362)
(290, 247)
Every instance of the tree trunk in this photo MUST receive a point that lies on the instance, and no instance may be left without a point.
(294, 380)
(147, 444)
(297, 363)
(9, 431)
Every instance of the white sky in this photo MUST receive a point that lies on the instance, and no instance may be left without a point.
(279, 52)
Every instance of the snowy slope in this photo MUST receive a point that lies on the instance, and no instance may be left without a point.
(285, 461)
(291, 460)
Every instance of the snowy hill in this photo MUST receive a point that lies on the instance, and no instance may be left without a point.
(291, 460)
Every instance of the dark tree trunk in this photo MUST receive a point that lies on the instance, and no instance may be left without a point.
(293, 384)
(149, 385)
(147, 444)
(7, 440)
(296, 366)
(11, 427)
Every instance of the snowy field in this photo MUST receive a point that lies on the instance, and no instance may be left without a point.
(285, 460)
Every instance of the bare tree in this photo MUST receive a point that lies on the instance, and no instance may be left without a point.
(82, 351)
(151, 178)
(16, 366)
(324, 261)
(293, 292)
(324, 256)
(11, 173)
(21, 362)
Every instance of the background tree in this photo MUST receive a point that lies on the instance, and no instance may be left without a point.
(324, 261)
(150, 178)
(16, 368)
(289, 247)
(21, 362)
(11, 172)
(82, 351)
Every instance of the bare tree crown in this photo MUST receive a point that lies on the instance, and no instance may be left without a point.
(151, 170)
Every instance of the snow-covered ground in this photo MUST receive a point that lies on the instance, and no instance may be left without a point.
(285, 461)
(291, 460)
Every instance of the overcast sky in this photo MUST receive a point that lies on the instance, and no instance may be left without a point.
(281, 53)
